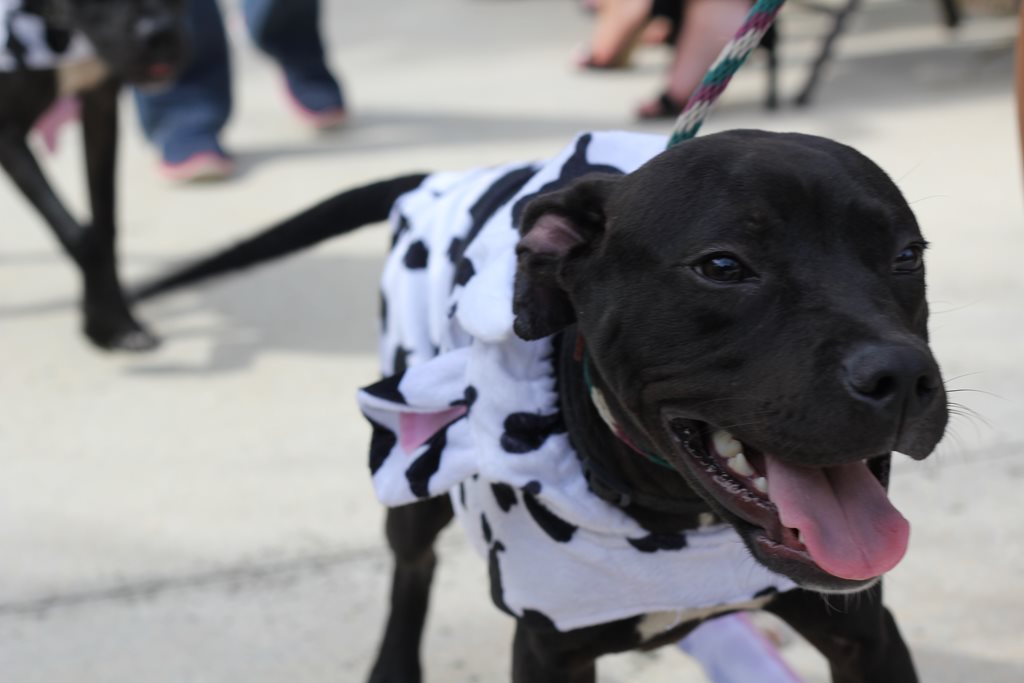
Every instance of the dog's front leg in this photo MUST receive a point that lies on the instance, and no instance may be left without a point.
(17, 160)
(411, 531)
(856, 633)
(108, 320)
(546, 656)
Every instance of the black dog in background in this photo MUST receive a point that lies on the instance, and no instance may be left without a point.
(135, 41)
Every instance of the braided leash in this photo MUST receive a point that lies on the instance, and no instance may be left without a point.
(757, 23)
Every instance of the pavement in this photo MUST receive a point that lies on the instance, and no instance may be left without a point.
(203, 513)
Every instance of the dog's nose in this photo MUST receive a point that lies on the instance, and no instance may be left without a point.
(892, 378)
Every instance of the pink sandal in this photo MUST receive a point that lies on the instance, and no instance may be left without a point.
(200, 167)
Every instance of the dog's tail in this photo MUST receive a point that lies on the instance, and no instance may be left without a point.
(338, 215)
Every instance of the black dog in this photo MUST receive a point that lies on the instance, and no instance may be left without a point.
(138, 41)
(743, 292)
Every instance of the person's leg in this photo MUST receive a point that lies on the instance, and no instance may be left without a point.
(616, 29)
(289, 31)
(707, 26)
(666, 19)
(185, 120)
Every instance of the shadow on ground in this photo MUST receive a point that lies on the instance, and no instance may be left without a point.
(309, 304)
(935, 665)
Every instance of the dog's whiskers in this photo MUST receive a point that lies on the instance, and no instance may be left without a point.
(950, 380)
(929, 197)
(973, 416)
(955, 309)
(976, 391)
(958, 443)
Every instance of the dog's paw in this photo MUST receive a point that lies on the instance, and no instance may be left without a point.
(135, 341)
(124, 335)
(382, 674)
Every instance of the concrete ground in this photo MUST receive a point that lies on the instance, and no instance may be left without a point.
(204, 514)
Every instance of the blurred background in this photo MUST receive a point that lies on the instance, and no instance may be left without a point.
(203, 512)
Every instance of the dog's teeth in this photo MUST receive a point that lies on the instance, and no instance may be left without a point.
(738, 464)
(726, 444)
(761, 484)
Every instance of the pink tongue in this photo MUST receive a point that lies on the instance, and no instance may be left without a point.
(844, 516)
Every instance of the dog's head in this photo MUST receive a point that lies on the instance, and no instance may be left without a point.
(754, 305)
(141, 41)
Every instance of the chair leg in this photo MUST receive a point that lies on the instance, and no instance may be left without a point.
(825, 53)
(950, 13)
(770, 43)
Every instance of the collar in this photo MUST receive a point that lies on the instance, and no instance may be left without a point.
(609, 487)
(601, 405)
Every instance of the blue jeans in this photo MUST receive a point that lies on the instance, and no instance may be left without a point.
(187, 118)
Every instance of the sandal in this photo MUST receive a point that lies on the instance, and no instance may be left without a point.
(662, 108)
(588, 62)
(201, 167)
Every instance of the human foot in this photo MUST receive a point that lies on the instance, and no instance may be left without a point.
(315, 96)
(616, 32)
(664, 107)
(200, 167)
(195, 158)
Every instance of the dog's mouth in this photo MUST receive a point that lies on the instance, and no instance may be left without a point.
(830, 528)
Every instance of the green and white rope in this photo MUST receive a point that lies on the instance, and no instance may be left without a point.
(757, 23)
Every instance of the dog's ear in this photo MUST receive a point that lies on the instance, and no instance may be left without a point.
(556, 229)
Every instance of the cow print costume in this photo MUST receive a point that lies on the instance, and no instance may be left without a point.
(466, 408)
(28, 42)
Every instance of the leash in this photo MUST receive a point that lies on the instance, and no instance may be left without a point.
(597, 398)
(748, 37)
(606, 484)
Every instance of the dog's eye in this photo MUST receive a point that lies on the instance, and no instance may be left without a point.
(723, 268)
(910, 260)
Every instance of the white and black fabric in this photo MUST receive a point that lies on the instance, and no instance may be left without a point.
(28, 42)
(468, 409)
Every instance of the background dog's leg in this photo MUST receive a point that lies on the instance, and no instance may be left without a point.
(19, 163)
(856, 633)
(108, 322)
(411, 531)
